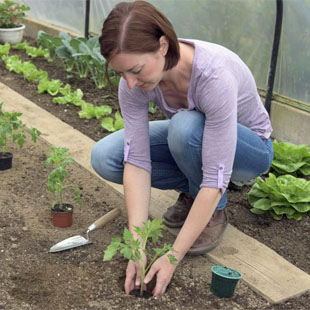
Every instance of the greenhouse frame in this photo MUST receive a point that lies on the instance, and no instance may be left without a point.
(254, 37)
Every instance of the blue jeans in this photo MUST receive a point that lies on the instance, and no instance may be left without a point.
(177, 170)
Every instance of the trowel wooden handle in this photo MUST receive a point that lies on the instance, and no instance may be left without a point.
(111, 215)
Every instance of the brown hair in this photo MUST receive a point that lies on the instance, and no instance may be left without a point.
(136, 27)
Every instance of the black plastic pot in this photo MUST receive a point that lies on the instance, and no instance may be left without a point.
(6, 160)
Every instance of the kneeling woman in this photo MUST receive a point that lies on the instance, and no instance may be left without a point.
(217, 129)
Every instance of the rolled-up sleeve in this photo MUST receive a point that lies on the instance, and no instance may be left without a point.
(134, 110)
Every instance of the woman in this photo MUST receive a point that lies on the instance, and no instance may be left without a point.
(217, 130)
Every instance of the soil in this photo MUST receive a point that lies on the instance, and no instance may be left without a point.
(33, 278)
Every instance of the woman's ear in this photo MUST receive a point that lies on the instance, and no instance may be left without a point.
(164, 45)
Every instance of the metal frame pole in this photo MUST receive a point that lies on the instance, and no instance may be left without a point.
(274, 54)
(86, 29)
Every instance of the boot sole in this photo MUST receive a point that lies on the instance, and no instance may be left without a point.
(200, 251)
(173, 225)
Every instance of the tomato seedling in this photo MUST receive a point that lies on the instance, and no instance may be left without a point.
(135, 250)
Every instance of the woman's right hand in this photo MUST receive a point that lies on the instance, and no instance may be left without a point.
(133, 276)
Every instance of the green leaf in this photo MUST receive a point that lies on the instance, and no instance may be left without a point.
(172, 259)
(152, 107)
(301, 207)
(112, 249)
(262, 204)
(5, 49)
(155, 229)
(126, 251)
(296, 216)
(127, 235)
(283, 210)
(257, 211)
(275, 216)
(119, 122)
(107, 123)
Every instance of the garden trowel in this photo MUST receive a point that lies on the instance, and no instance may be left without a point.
(76, 241)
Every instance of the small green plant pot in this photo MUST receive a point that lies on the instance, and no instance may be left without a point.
(224, 281)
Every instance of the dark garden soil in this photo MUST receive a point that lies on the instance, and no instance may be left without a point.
(32, 278)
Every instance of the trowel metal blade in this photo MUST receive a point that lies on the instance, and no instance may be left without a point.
(69, 243)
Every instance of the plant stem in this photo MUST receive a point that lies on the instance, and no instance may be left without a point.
(142, 280)
(60, 195)
(143, 266)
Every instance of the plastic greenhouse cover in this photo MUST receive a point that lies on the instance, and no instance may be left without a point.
(244, 26)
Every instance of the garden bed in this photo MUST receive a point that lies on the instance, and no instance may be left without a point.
(30, 274)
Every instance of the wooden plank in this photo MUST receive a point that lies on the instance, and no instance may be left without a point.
(262, 269)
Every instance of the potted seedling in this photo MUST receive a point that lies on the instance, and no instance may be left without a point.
(11, 21)
(135, 250)
(11, 127)
(58, 160)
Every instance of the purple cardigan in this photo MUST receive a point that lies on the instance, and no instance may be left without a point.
(221, 87)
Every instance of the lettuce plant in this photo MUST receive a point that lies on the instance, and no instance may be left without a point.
(13, 63)
(28, 69)
(50, 86)
(75, 98)
(32, 74)
(90, 111)
(278, 196)
(5, 49)
(132, 249)
(35, 52)
(111, 125)
(20, 45)
(290, 158)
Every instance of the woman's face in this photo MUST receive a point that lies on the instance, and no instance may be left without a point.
(142, 70)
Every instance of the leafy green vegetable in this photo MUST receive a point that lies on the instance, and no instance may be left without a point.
(89, 111)
(132, 249)
(152, 107)
(49, 42)
(31, 73)
(35, 52)
(5, 49)
(13, 63)
(29, 70)
(20, 45)
(290, 158)
(283, 195)
(52, 87)
(111, 125)
(74, 98)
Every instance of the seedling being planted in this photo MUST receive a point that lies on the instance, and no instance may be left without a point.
(59, 159)
(136, 251)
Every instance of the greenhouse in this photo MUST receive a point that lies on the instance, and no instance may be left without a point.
(184, 166)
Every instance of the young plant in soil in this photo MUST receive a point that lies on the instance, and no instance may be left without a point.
(59, 159)
(136, 251)
(12, 127)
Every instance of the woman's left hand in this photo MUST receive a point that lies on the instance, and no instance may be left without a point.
(164, 271)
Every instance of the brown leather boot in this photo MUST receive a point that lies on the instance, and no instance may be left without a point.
(211, 235)
(175, 216)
